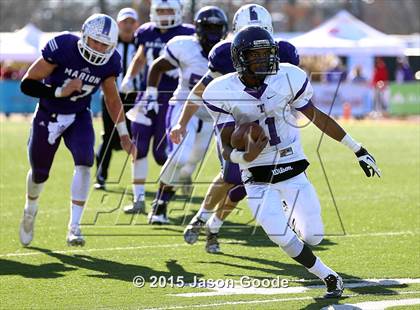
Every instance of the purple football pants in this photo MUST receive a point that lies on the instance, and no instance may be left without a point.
(142, 134)
(79, 138)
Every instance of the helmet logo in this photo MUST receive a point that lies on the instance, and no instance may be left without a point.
(258, 43)
(107, 26)
(252, 13)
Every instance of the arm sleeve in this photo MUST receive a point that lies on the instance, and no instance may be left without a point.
(220, 59)
(302, 90)
(116, 65)
(140, 35)
(288, 53)
(52, 51)
(174, 51)
(218, 109)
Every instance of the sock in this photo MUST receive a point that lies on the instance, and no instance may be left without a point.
(321, 270)
(31, 206)
(214, 224)
(138, 192)
(33, 190)
(164, 195)
(203, 214)
(75, 215)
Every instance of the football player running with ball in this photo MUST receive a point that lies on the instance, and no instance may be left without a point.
(64, 79)
(273, 166)
(226, 190)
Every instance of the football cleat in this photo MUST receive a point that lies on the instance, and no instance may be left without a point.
(192, 231)
(334, 285)
(26, 229)
(75, 237)
(138, 206)
(158, 214)
(212, 244)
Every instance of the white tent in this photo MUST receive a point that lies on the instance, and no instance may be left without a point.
(345, 35)
(21, 45)
(25, 44)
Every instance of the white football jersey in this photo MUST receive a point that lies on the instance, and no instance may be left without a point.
(230, 102)
(186, 53)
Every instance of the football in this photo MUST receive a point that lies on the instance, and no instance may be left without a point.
(239, 138)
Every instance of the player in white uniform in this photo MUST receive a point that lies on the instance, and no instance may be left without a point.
(273, 166)
(226, 189)
(189, 55)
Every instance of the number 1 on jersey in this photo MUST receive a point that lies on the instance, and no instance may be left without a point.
(272, 130)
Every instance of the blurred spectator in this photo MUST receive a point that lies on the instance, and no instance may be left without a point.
(358, 76)
(337, 72)
(13, 70)
(380, 83)
(403, 72)
(380, 73)
(8, 72)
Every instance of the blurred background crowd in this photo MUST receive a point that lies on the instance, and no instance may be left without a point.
(386, 74)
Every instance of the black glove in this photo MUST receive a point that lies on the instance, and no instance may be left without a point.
(368, 163)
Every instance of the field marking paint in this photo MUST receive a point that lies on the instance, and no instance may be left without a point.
(264, 301)
(238, 290)
(375, 305)
(227, 241)
(176, 245)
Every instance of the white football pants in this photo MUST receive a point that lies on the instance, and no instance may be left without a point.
(302, 213)
(190, 151)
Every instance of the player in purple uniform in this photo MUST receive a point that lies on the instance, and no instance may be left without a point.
(226, 190)
(148, 120)
(70, 70)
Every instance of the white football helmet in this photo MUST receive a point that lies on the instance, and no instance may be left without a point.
(252, 15)
(166, 21)
(102, 28)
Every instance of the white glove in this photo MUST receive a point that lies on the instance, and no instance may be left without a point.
(126, 85)
(150, 104)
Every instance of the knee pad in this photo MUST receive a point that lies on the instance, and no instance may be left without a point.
(81, 181)
(237, 193)
(160, 157)
(39, 175)
(311, 235)
(84, 158)
(142, 148)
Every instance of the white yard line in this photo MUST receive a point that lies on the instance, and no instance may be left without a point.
(238, 290)
(263, 301)
(380, 234)
(87, 250)
(375, 305)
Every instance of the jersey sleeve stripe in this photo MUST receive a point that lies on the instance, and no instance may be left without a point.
(223, 125)
(301, 90)
(207, 79)
(307, 105)
(172, 55)
(53, 45)
(214, 108)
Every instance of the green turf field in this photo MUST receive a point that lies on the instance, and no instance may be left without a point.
(373, 234)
